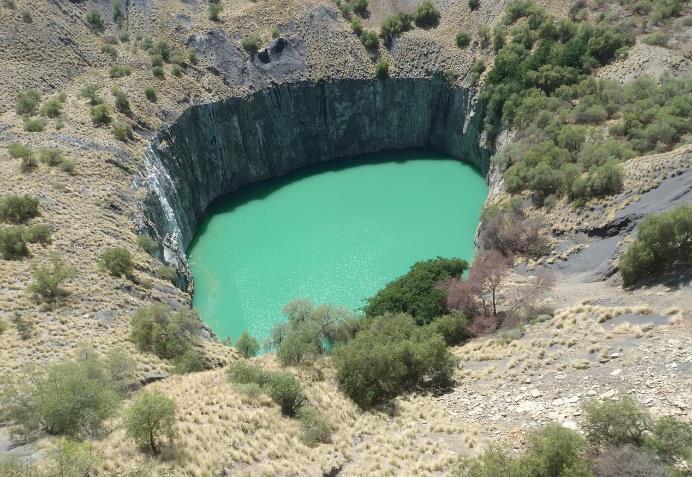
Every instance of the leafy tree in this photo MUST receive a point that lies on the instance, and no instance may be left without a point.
(159, 330)
(416, 293)
(47, 283)
(151, 419)
(662, 241)
(453, 327)
(671, 440)
(426, 15)
(28, 101)
(615, 423)
(117, 261)
(247, 345)
(17, 209)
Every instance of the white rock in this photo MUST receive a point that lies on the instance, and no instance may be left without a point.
(616, 372)
(536, 393)
(570, 425)
(573, 400)
(607, 394)
(614, 355)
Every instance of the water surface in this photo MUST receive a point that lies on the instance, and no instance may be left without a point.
(334, 233)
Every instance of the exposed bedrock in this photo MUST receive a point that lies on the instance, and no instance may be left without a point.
(215, 148)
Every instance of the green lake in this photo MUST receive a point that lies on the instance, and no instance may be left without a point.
(334, 233)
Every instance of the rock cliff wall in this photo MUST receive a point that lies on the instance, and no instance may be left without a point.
(215, 148)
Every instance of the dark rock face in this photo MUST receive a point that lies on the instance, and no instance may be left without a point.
(214, 149)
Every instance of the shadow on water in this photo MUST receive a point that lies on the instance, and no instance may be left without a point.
(263, 189)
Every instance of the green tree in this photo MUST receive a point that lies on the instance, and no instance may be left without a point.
(159, 330)
(616, 423)
(284, 389)
(17, 209)
(71, 459)
(117, 261)
(151, 419)
(416, 292)
(247, 345)
(47, 283)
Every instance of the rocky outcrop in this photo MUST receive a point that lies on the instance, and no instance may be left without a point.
(215, 148)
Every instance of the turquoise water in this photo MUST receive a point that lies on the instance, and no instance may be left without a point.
(334, 233)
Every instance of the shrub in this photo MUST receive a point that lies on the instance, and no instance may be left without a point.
(47, 283)
(359, 6)
(17, 150)
(151, 419)
(71, 458)
(167, 272)
(192, 56)
(284, 389)
(301, 345)
(393, 25)
(33, 124)
(122, 130)
(369, 40)
(158, 72)
(315, 429)
(251, 43)
(176, 58)
(17, 209)
(90, 92)
(671, 440)
(13, 243)
(426, 15)
(189, 362)
(147, 243)
(156, 60)
(123, 36)
(176, 71)
(247, 345)
(157, 329)
(119, 71)
(382, 69)
(463, 39)
(474, 4)
(38, 233)
(52, 108)
(657, 38)
(214, 10)
(416, 292)
(3, 326)
(615, 423)
(68, 166)
(483, 34)
(454, 328)
(121, 102)
(93, 18)
(109, 50)
(51, 156)
(117, 261)
(72, 398)
(150, 94)
(28, 101)
(662, 242)
(390, 355)
(357, 25)
(100, 114)
(628, 461)
(25, 328)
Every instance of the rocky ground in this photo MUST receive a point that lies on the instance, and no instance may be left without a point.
(504, 387)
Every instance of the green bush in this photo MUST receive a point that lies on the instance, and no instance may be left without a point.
(51, 156)
(71, 459)
(214, 10)
(315, 429)
(52, 108)
(39, 233)
(122, 130)
(33, 124)
(119, 71)
(189, 362)
(147, 243)
(158, 72)
(72, 398)
(17, 150)
(426, 15)
(150, 420)
(100, 114)
(247, 345)
(393, 25)
(156, 60)
(90, 92)
(454, 328)
(3, 326)
(670, 440)
(251, 43)
(359, 6)
(301, 345)
(17, 209)
(357, 25)
(663, 241)
(176, 70)
(123, 36)
(167, 272)
(382, 69)
(47, 281)
(68, 166)
(13, 243)
(463, 39)
(474, 4)
(615, 423)
(121, 102)
(109, 50)
(390, 355)
(117, 261)
(28, 101)
(369, 40)
(416, 292)
(159, 330)
(150, 94)
(192, 56)
(93, 18)
(657, 38)
(282, 387)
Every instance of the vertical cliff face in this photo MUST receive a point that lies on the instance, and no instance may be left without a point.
(214, 149)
